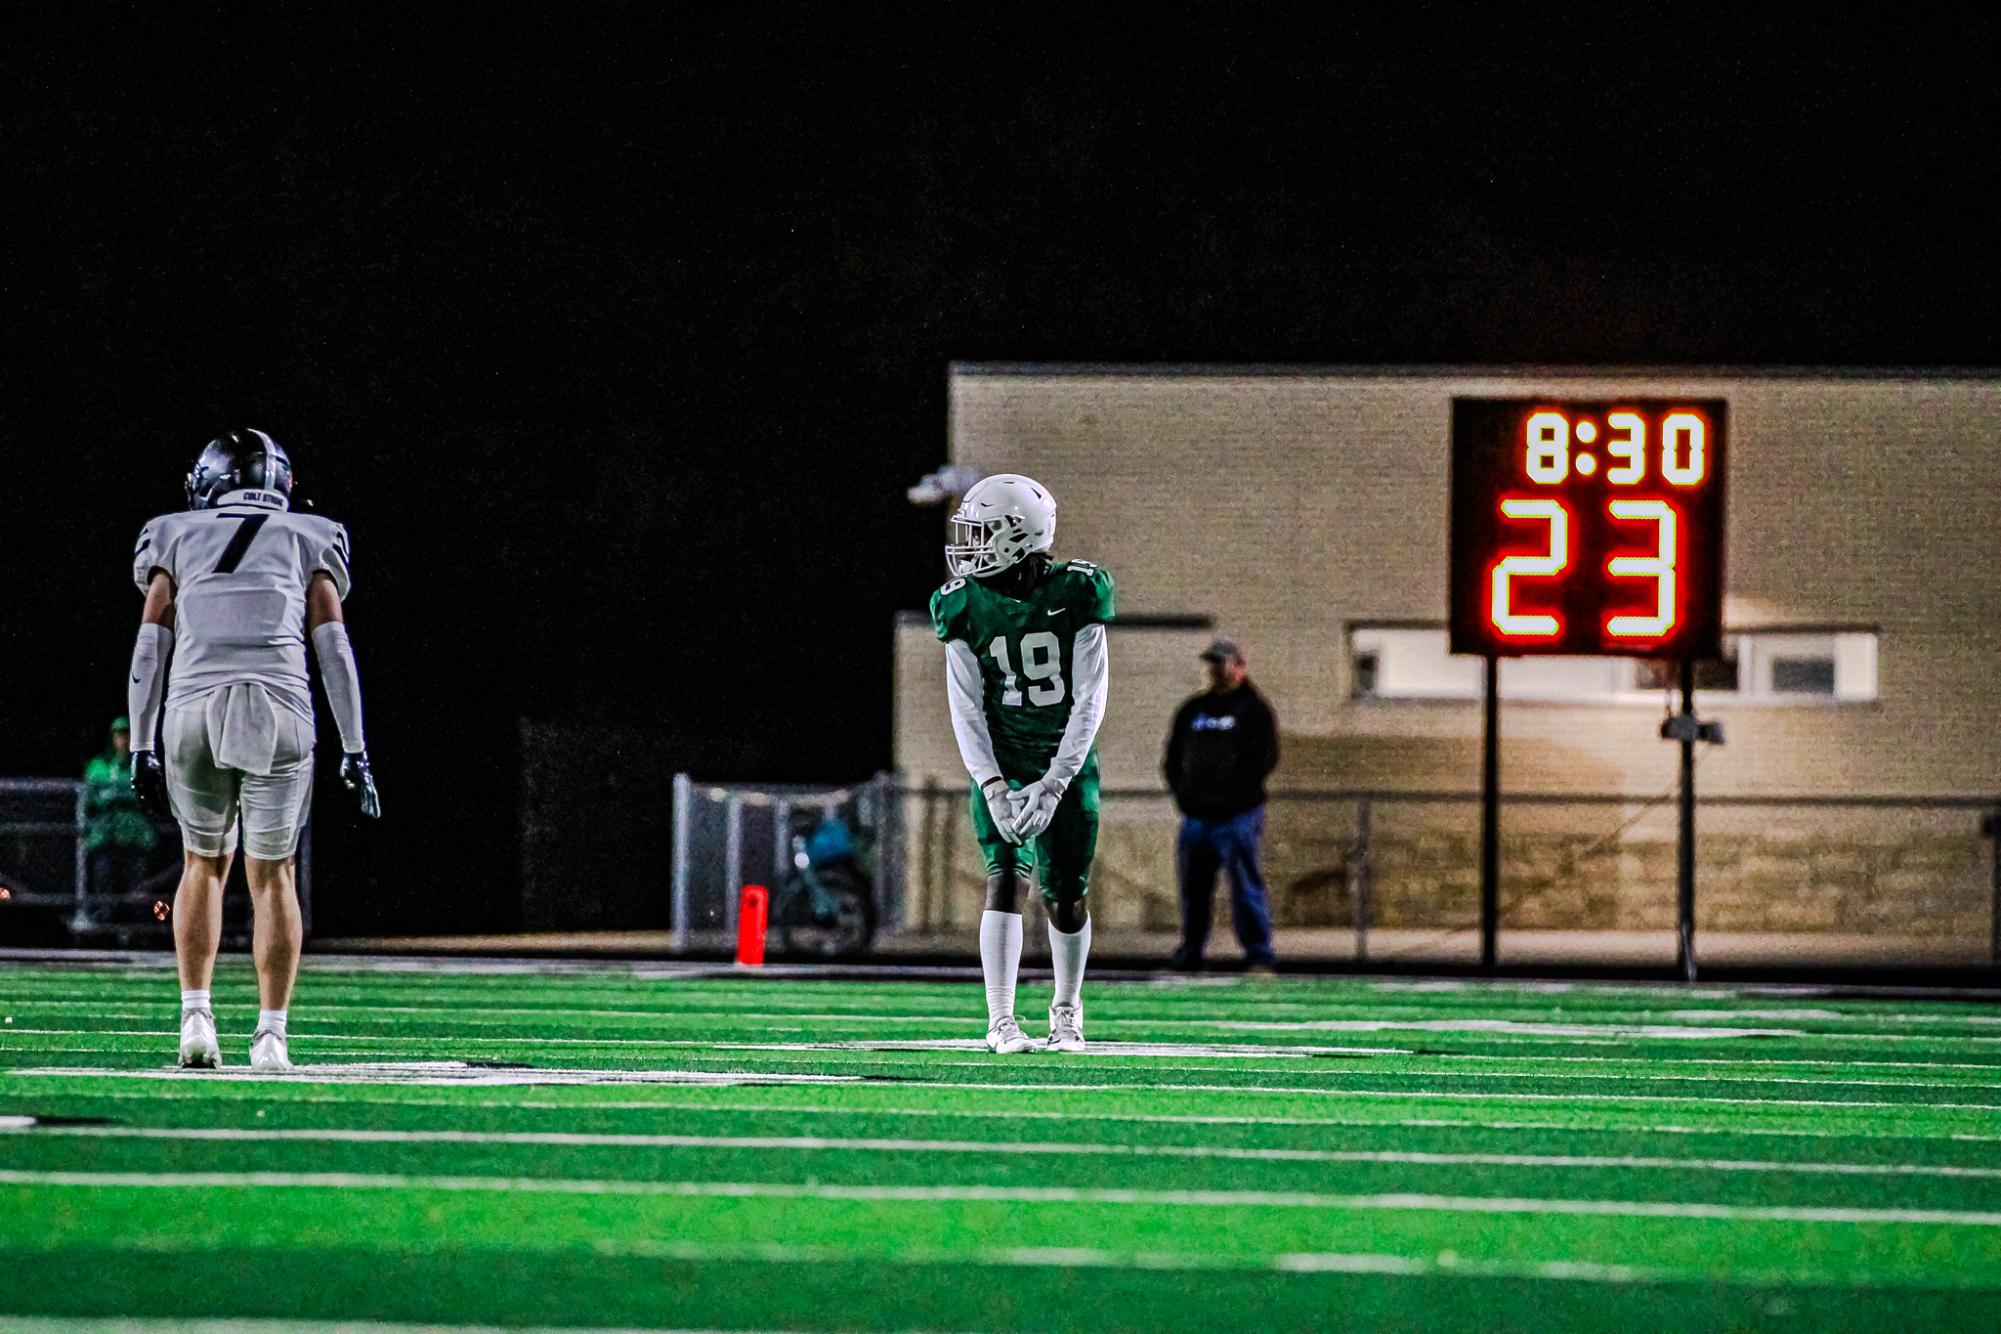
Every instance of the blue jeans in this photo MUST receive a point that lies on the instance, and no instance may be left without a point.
(1203, 848)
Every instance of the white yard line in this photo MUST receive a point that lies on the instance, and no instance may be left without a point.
(878, 1144)
(764, 1010)
(1117, 1050)
(973, 1194)
(1090, 1257)
(971, 1044)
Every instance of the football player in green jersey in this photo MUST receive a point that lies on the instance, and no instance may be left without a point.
(1026, 676)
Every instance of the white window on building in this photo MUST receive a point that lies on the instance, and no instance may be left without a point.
(1761, 667)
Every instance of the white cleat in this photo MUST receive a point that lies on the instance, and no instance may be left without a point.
(1006, 1038)
(199, 1049)
(1066, 1028)
(268, 1054)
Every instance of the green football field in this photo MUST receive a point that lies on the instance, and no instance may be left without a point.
(638, 1145)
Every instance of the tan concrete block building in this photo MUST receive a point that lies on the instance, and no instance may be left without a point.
(1304, 512)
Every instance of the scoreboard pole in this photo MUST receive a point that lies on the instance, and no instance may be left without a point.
(1490, 821)
(1685, 848)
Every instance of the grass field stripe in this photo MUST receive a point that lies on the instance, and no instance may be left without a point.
(1032, 1114)
(16, 1324)
(1254, 1199)
(798, 1055)
(483, 969)
(366, 1070)
(584, 1078)
(144, 962)
(878, 1144)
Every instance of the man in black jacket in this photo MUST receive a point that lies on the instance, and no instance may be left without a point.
(1223, 744)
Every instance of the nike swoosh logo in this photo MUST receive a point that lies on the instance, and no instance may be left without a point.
(1056, 611)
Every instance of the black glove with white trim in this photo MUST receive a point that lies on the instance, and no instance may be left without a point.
(360, 780)
(149, 784)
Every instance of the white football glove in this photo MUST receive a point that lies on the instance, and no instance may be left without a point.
(1034, 807)
(1000, 807)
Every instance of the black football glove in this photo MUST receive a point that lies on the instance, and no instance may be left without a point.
(149, 784)
(360, 780)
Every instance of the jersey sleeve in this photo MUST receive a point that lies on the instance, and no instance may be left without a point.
(329, 552)
(948, 611)
(1092, 593)
(153, 551)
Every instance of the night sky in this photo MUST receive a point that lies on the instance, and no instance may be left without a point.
(615, 335)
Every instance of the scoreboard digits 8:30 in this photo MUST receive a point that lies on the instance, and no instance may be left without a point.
(1588, 528)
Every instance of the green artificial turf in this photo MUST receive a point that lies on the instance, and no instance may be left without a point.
(645, 1146)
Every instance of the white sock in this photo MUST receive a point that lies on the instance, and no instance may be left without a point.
(1068, 952)
(272, 1021)
(1000, 960)
(192, 1000)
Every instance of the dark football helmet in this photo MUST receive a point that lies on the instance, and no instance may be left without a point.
(245, 457)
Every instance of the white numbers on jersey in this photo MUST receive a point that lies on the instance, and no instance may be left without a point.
(1041, 663)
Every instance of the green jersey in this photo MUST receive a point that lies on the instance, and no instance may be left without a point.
(1025, 647)
(112, 813)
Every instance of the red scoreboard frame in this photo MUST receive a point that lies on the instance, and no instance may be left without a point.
(1588, 527)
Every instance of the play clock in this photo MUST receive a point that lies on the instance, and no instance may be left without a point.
(1588, 527)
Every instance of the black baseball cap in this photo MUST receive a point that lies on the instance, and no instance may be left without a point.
(1222, 650)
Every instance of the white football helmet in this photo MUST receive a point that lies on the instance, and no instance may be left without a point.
(1002, 520)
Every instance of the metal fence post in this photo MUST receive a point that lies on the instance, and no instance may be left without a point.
(927, 857)
(678, 889)
(948, 839)
(1361, 881)
(81, 921)
(732, 858)
(781, 843)
(1991, 827)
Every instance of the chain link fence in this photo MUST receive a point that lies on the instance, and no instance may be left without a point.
(728, 836)
(1393, 876)
(54, 891)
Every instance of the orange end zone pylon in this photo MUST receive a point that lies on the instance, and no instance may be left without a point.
(752, 916)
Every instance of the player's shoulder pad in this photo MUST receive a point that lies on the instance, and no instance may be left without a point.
(327, 548)
(1089, 589)
(948, 607)
(154, 549)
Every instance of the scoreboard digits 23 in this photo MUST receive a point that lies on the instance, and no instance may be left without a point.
(1588, 527)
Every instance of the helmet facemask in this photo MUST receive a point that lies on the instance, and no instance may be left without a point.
(981, 547)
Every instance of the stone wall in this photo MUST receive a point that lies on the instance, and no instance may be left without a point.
(1922, 873)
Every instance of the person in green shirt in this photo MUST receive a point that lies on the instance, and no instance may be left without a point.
(118, 836)
(1027, 681)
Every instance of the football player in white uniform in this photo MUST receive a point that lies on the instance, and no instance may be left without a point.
(234, 588)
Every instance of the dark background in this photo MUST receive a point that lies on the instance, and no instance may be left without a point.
(615, 332)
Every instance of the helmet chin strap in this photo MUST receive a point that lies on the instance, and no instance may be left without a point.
(1018, 578)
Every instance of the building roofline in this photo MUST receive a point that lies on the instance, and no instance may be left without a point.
(1336, 371)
